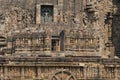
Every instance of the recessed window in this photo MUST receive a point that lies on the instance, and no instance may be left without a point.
(46, 13)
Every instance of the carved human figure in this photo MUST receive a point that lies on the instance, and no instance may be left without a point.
(59, 16)
(85, 20)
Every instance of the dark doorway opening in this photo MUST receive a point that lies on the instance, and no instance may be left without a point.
(55, 44)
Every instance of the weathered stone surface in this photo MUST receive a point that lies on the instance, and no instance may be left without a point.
(58, 31)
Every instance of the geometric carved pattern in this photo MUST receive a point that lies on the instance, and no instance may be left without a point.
(63, 75)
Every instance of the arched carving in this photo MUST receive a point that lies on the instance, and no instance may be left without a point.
(63, 75)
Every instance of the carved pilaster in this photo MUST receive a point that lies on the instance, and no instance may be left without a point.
(116, 73)
(55, 13)
(5, 72)
(22, 73)
(85, 72)
(100, 70)
(38, 16)
(39, 72)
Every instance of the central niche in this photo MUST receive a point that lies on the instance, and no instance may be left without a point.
(46, 13)
(55, 43)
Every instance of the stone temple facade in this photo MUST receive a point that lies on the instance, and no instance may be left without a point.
(59, 40)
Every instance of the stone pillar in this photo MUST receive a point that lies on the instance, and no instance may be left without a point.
(22, 73)
(112, 50)
(55, 13)
(100, 68)
(116, 74)
(36, 72)
(38, 14)
(5, 72)
(85, 72)
(1, 71)
(39, 72)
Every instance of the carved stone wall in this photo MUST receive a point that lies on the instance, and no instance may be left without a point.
(79, 43)
(67, 68)
(87, 26)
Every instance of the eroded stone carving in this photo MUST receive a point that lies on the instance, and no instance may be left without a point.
(79, 42)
